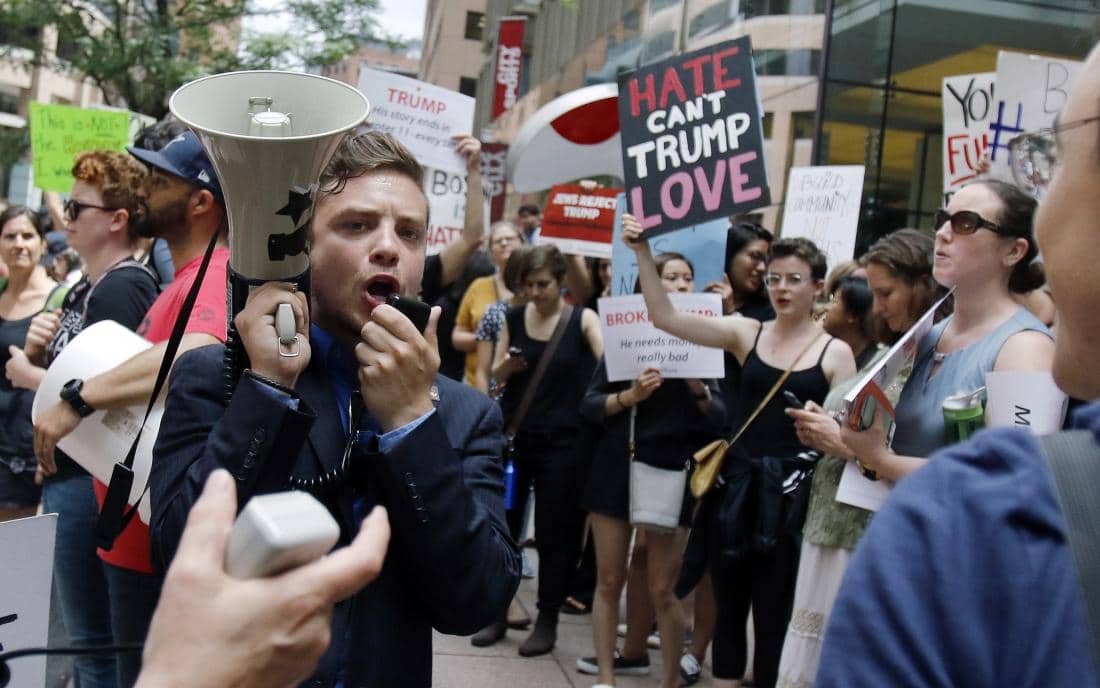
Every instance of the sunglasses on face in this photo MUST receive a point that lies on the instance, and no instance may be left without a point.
(965, 222)
(73, 209)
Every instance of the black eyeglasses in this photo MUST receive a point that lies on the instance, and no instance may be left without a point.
(73, 208)
(965, 222)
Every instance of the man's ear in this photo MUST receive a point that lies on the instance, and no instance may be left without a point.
(201, 201)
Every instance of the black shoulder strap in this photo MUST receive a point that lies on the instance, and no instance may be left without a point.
(1074, 462)
(114, 516)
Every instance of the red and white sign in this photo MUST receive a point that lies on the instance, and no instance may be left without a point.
(494, 177)
(580, 220)
(572, 137)
(509, 63)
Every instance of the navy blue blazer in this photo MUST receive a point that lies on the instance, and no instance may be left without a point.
(451, 563)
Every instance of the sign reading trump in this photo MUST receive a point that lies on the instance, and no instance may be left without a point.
(692, 141)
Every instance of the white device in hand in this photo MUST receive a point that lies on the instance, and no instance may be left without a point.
(278, 532)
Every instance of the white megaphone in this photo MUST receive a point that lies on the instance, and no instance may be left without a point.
(268, 135)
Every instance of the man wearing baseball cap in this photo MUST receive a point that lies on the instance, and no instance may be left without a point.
(185, 207)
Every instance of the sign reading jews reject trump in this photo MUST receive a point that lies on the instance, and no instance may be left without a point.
(693, 146)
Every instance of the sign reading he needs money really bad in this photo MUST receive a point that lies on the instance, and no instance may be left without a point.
(692, 141)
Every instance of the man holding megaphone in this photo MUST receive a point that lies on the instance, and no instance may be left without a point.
(359, 417)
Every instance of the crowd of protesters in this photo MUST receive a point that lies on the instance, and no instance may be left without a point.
(517, 321)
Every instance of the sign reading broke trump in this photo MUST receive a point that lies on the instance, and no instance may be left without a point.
(692, 139)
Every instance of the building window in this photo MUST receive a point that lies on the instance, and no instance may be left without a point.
(9, 101)
(467, 86)
(713, 17)
(656, 6)
(802, 125)
(797, 62)
(757, 8)
(475, 25)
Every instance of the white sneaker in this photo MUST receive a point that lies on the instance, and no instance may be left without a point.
(690, 670)
(653, 640)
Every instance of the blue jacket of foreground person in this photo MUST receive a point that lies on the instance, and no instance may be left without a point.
(965, 578)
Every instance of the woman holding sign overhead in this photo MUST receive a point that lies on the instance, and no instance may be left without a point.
(790, 353)
(665, 420)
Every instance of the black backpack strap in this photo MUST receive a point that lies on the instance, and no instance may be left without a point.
(1074, 461)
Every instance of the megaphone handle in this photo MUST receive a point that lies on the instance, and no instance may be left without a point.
(284, 324)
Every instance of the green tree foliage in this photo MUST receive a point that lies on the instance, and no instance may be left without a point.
(139, 51)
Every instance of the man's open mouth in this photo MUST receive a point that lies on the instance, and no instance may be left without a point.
(379, 288)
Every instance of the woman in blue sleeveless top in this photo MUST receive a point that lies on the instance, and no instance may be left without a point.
(984, 249)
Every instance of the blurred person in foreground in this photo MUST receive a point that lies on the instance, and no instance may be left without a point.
(964, 577)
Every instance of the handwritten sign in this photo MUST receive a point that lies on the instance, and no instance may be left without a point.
(25, 580)
(580, 221)
(632, 343)
(968, 105)
(446, 192)
(60, 132)
(823, 206)
(422, 116)
(703, 245)
(1031, 91)
(692, 142)
(1024, 400)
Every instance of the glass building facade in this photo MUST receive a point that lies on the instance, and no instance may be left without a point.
(880, 103)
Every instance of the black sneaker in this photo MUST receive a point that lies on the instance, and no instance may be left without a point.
(622, 666)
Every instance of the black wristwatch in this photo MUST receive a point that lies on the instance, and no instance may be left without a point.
(71, 393)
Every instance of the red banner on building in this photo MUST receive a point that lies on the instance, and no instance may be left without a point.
(493, 177)
(579, 220)
(509, 62)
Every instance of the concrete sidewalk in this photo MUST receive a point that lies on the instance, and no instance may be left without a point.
(458, 664)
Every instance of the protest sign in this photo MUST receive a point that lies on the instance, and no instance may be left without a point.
(60, 132)
(823, 206)
(422, 116)
(493, 166)
(446, 194)
(704, 246)
(968, 105)
(692, 142)
(1017, 399)
(579, 220)
(509, 64)
(856, 490)
(25, 580)
(632, 343)
(1031, 91)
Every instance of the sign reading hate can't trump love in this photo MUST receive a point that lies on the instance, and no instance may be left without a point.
(632, 343)
(580, 220)
(692, 141)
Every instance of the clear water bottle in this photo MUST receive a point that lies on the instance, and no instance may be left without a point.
(509, 485)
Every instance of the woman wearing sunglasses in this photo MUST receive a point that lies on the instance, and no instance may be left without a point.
(764, 576)
(23, 294)
(100, 215)
(984, 249)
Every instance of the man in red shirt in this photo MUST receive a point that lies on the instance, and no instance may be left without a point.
(186, 208)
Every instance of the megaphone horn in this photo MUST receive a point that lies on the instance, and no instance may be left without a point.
(268, 135)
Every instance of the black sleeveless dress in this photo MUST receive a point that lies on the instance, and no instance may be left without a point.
(772, 433)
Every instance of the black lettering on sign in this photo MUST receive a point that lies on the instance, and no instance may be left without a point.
(10, 618)
(1022, 415)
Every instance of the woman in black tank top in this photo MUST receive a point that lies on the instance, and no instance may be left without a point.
(546, 432)
(796, 273)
